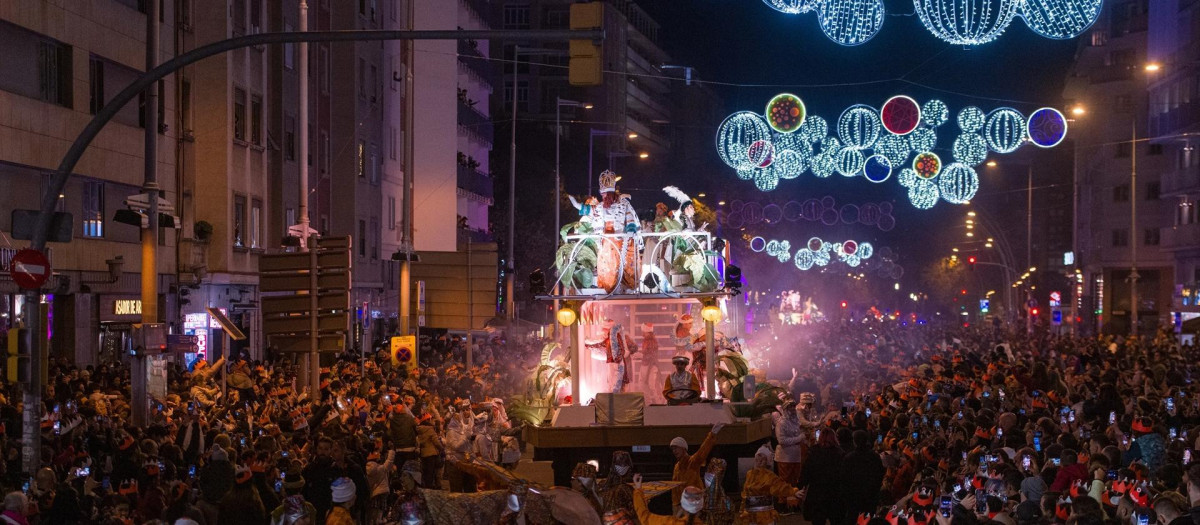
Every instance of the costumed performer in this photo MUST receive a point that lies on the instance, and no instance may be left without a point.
(761, 490)
(617, 255)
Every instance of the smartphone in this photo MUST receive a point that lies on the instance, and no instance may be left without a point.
(987, 393)
(959, 416)
(1174, 432)
(1125, 440)
(25, 487)
(981, 502)
(1112, 417)
(964, 455)
(1057, 461)
(937, 423)
(1187, 456)
(192, 471)
(278, 485)
(1026, 462)
(1062, 419)
(243, 441)
(1021, 411)
(818, 434)
(1111, 475)
(285, 453)
(868, 412)
(1071, 416)
(946, 506)
(916, 436)
(999, 432)
(57, 408)
(957, 487)
(1143, 518)
(191, 407)
(107, 483)
(1170, 403)
(1037, 442)
(57, 427)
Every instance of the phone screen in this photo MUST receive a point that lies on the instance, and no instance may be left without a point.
(981, 502)
(1187, 456)
(1174, 432)
(1056, 461)
(1111, 475)
(946, 505)
(192, 471)
(1143, 518)
(1026, 462)
(868, 412)
(1037, 443)
(1112, 417)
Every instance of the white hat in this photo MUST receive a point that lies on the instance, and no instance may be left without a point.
(343, 490)
(679, 442)
(765, 452)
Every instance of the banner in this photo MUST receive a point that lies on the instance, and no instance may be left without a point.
(404, 351)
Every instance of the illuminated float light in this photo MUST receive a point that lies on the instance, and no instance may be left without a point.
(791, 7)
(893, 147)
(850, 162)
(785, 113)
(900, 115)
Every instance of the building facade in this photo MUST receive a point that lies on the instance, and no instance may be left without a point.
(64, 61)
(1109, 82)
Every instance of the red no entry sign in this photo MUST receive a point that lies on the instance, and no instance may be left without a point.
(29, 269)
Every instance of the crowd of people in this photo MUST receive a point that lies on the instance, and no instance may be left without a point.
(881, 425)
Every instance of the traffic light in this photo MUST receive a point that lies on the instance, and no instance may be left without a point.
(18, 352)
(971, 262)
(1033, 312)
(963, 291)
(844, 305)
(587, 57)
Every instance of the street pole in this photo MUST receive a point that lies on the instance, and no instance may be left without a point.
(510, 265)
(558, 104)
(312, 361)
(1029, 242)
(1075, 285)
(591, 168)
(1133, 236)
(31, 435)
(149, 274)
(407, 231)
(710, 359)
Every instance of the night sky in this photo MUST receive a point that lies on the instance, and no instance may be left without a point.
(750, 52)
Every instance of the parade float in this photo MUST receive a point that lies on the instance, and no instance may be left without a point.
(644, 307)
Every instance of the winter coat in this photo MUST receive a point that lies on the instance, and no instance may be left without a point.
(862, 475)
(822, 472)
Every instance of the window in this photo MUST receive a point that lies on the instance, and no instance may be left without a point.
(1153, 190)
(323, 69)
(289, 138)
(185, 104)
(289, 218)
(239, 114)
(324, 224)
(256, 116)
(1124, 149)
(373, 164)
(362, 78)
(255, 16)
(107, 78)
(184, 13)
(1121, 193)
(1120, 238)
(35, 66)
(374, 239)
(1150, 237)
(522, 95)
(289, 49)
(362, 7)
(1099, 38)
(238, 13)
(557, 18)
(325, 160)
(391, 212)
(96, 98)
(374, 78)
(392, 138)
(516, 17)
(256, 207)
(141, 107)
(362, 238)
(361, 163)
(239, 221)
(93, 209)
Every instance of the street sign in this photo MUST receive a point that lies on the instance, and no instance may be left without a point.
(288, 319)
(404, 351)
(985, 305)
(30, 269)
(1055, 299)
(234, 332)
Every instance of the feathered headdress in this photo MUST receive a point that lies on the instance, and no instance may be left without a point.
(678, 195)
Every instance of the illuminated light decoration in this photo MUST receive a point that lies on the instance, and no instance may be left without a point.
(852, 261)
(821, 258)
(785, 113)
(761, 153)
(894, 148)
(772, 213)
(923, 194)
(970, 149)
(758, 244)
(900, 115)
(830, 145)
(1060, 19)
(866, 250)
(907, 177)
(958, 183)
(859, 127)
(850, 22)
(971, 119)
(923, 139)
(849, 247)
(1047, 127)
(785, 251)
(935, 113)
(1004, 130)
(815, 244)
(803, 259)
(790, 164)
(746, 173)
(927, 165)
(772, 248)
(967, 22)
(849, 214)
(794, 141)
(823, 165)
(850, 162)
(877, 168)
(766, 179)
(791, 7)
(735, 136)
(814, 129)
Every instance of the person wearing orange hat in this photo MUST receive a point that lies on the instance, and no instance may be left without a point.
(1147, 446)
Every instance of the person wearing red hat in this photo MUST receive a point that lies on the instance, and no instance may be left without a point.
(1070, 472)
(1147, 446)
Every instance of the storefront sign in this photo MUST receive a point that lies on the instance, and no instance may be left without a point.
(127, 307)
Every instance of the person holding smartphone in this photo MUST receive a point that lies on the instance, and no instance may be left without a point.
(1069, 472)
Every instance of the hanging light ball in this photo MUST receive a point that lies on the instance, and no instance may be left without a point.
(814, 128)
(790, 163)
(900, 115)
(907, 177)
(785, 113)
(791, 7)
(967, 22)
(935, 113)
(877, 168)
(927, 165)
(823, 165)
(850, 22)
(970, 149)
(923, 194)
(1047, 127)
(761, 153)
(1060, 19)
(958, 183)
(735, 136)
(1005, 130)
(971, 119)
(803, 259)
(923, 139)
(850, 162)
(893, 147)
(859, 126)
(746, 173)
(766, 179)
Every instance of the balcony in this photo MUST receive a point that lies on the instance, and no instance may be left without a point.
(1181, 182)
(471, 58)
(474, 182)
(1181, 118)
(1181, 237)
(475, 123)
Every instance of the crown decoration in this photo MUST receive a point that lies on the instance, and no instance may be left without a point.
(608, 181)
